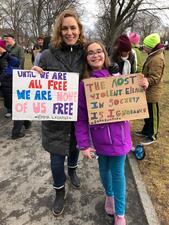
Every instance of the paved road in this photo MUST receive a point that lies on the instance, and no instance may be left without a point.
(26, 193)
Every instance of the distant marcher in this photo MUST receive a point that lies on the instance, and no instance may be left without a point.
(135, 41)
(111, 141)
(37, 48)
(16, 50)
(153, 70)
(7, 64)
(122, 55)
(45, 46)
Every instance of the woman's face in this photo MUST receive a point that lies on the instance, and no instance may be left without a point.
(95, 56)
(70, 31)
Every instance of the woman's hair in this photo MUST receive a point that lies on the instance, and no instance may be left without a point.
(56, 38)
(88, 69)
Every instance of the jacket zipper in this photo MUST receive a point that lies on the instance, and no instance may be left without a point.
(122, 134)
(109, 134)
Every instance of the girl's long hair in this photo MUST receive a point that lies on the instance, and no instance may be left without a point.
(88, 69)
(56, 38)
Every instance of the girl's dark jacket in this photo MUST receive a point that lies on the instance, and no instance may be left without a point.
(58, 136)
(115, 57)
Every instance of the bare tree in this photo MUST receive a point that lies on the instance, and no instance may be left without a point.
(119, 14)
(44, 12)
(31, 18)
(146, 23)
(13, 15)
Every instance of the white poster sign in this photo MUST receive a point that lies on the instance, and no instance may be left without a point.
(48, 96)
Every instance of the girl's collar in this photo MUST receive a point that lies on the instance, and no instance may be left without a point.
(100, 73)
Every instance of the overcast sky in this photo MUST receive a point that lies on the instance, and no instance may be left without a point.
(89, 17)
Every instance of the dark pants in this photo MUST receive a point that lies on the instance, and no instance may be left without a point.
(7, 92)
(17, 126)
(151, 124)
(57, 167)
(57, 161)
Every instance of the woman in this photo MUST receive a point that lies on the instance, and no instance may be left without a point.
(65, 54)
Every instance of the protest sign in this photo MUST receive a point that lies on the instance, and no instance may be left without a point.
(115, 99)
(48, 96)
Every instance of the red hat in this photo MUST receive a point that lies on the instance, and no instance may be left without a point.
(2, 43)
(124, 44)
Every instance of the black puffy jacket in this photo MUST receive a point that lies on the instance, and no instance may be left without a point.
(58, 136)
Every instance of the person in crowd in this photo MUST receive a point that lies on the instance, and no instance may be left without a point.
(45, 46)
(16, 50)
(37, 48)
(122, 54)
(66, 54)
(7, 64)
(135, 41)
(113, 147)
(153, 70)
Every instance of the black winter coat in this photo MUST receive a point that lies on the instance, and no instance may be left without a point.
(117, 59)
(7, 64)
(58, 136)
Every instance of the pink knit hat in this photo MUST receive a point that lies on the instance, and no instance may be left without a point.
(2, 43)
(134, 38)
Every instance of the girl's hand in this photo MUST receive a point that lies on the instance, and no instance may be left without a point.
(87, 152)
(143, 82)
(38, 69)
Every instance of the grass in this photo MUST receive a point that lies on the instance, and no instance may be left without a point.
(155, 167)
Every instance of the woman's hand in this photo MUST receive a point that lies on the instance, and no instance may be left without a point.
(38, 69)
(143, 82)
(87, 153)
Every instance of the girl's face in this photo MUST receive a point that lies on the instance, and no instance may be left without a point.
(124, 54)
(95, 56)
(70, 31)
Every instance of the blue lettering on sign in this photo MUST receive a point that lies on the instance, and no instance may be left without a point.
(43, 95)
(24, 94)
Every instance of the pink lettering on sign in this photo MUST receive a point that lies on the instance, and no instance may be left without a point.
(39, 107)
(21, 107)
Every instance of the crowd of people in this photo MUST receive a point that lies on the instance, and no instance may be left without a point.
(67, 50)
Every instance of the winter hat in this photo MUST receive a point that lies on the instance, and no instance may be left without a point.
(123, 43)
(134, 38)
(151, 40)
(2, 43)
(9, 35)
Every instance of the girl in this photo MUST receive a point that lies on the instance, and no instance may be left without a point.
(122, 55)
(115, 142)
